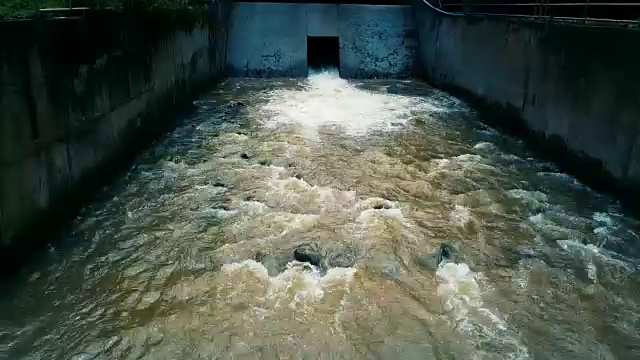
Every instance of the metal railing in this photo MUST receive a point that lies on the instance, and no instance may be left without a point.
(78, 8)
(620, 13)
(65, 10)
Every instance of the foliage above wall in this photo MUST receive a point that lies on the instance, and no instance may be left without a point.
(175, 8)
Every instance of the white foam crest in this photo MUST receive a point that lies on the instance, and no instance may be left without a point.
(607, 228)
(547, 224)
(592, 271)
(463, 297)
(537, 219)
(566, 178)
(172, 166)
(463, 162)
(294, 221)
(603, 218)
(460, 215)
(274, 224)
(468, 158)
(572, 245)
(371, 202)
(487, 130)
(510, 157)
(590, 251)
(373, 208)
(290, 184)
(441, 162)
(534, 199)
(221, 213)
(210, 189)
(262, 173)
(229, 151)
(376, 216)
(282, 148)
(298, 285)
(459, 288)
(232, 137)
(291, 191)
(371, 214)
(251, 265)
(253, 207)
(328, 100)
(276, 170)
(484, 146)
(536, 196)
(331, 198)
(601, 231)
(303, 283)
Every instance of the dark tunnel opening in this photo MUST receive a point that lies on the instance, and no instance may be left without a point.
(323, 52)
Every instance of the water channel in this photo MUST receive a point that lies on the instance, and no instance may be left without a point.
(190, 253)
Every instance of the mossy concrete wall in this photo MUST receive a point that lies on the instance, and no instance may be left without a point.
(270, 39)
(78, 97)
(574, 90)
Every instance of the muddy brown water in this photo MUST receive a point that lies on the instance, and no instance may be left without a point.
(374, 173)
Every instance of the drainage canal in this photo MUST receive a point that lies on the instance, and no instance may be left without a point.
(321, 218)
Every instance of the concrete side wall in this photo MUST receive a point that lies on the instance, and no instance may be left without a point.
(270, 39)
(78, 96)
(376, 41)
(575, 88)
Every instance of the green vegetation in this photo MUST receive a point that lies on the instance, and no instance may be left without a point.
(27, 8)
(144, 5)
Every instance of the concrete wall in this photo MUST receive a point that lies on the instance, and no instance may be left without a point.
(79, 96)
(322, 19)
(270, 39)
(575, 89)
(376, 41)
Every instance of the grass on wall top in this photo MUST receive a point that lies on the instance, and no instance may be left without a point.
(16, 9)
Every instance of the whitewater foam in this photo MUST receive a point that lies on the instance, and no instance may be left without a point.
(299, 285)
(328, 101)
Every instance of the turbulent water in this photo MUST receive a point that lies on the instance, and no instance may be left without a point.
(190, 254)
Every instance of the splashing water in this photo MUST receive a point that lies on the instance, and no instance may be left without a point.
(330, 101)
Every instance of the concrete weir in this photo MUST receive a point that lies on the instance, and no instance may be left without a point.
(273, 39)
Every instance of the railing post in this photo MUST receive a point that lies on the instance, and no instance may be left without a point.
(545, 9)
(586, 9)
